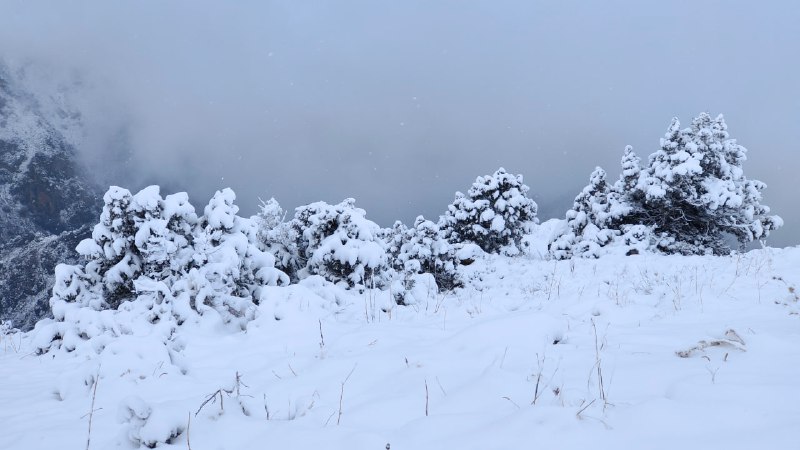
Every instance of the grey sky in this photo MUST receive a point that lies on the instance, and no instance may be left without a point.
(401, 103)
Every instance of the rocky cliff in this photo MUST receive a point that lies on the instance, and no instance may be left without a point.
(46, 204)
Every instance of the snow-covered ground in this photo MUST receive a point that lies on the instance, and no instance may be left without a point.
(646, 351)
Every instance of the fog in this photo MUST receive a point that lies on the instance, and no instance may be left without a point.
(401, 103)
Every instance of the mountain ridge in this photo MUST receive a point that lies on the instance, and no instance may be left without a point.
(47, 202)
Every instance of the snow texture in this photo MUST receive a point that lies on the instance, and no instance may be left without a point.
(645, 351)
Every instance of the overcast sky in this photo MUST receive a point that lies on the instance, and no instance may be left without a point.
(401, 103)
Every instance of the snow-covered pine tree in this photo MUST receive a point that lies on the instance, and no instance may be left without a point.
(138, 235)
(277, 237)
(113, 262)
(631, 168)
(586, 231)
(625, 199)
(426, 250)
(393, 239)
(312, 224)
(164, 233)
(219, 216)
(169, 264)
(339, 243)
(231, 268)
(494, 214)
(695, 195)
(123, 249)
(270, 215)
(182, 223)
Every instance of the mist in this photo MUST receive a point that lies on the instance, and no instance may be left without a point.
(400, 104)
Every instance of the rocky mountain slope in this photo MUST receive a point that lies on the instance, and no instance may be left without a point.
(46, 203)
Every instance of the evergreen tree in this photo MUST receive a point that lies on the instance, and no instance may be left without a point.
(277, 237)
(694, 193)
(586, 230)
(156, 253)
(494, 213)
(164, 232)
(112, 259)
(339, 243)
(232, 267)
(426, 250)
(631, 168)
(394, 238)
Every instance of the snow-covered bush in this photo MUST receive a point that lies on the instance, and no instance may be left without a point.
(393, 239)
(277, 237)
(113, 260)
(424, 249)
(494, 214)
(228, 243)
(166, 239)
(138, 235)
(155, 260)
(413, 288)
(339, 243)
(586, 229)
(148, 426)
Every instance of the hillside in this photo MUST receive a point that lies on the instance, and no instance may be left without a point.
(643, 351)
(46, 203)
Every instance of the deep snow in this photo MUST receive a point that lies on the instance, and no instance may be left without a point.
(454, 371)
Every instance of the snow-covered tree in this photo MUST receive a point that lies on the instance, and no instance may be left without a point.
(694, 193)
(494, 214)
(164, 235)
(339, 243)
(155, 256)
(270, 215)
(624, 198)
(393, 239)
(277, 237)
(631, 168)
(426, 250)
(586, 230)
(231, 268)
(113, 262)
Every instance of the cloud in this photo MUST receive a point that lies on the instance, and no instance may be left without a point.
(400, 104)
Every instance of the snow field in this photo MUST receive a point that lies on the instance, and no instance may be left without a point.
(472, 358)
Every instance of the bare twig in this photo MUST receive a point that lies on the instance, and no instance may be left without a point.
(426, 398)
(578, 414)
(341, 395)
(536, 391)
(512, 401)
(238, 383)
(713, 373)
(91, 410)
(599, 366)
(213, 397)
(321, 337)
(440, 386)
(188, 429)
